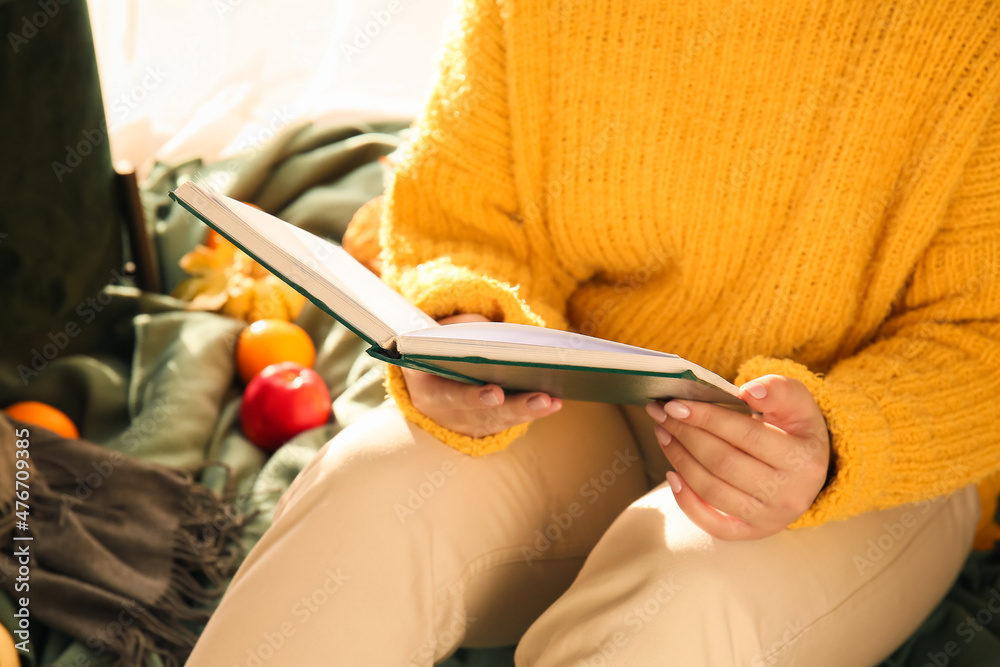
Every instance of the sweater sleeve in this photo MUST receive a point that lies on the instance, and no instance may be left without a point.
(914, 414)
(454, 237)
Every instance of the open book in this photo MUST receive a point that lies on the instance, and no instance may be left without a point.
(515, 356)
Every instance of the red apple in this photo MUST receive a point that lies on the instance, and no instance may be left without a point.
(282, 401)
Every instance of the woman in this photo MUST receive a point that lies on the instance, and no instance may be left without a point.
(802, 198)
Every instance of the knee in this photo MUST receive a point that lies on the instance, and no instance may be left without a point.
(380, 467)
(641, 588)
(673, 580)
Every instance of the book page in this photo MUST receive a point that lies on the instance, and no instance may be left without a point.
(523, 334)
(346, 275)
(323, 270)
(521, 343)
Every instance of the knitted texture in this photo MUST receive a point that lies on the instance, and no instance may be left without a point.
(808, 189)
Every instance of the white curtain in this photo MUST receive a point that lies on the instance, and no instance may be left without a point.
(209, 78)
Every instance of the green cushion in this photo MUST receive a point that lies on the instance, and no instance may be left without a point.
(60, 233)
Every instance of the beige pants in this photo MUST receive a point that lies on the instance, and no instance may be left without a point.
(394, 549)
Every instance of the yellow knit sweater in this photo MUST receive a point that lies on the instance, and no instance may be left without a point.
(803, 188)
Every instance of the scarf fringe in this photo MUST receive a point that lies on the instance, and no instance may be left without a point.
(206, 554)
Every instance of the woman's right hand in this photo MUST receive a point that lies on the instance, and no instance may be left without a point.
(474, 410)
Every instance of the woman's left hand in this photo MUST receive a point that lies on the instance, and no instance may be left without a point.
(742, 477)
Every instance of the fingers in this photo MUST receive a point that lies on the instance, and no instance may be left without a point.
(463, 317)
(709, 519)
(526, 407)
(427, 389)
(721, 459)
(689, 419)
(784, 402)
(733, 495)
(474, 410)
(743, 477)
(514, 410)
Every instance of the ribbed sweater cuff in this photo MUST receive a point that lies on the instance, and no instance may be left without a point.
(396, 387)
(441, 289)
(860, 441)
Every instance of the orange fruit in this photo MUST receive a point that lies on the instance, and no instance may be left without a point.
(271, 341)
(8, 650)
(361, 238)
(46, 416)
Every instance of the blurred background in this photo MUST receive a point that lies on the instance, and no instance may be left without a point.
(187, 88)
(184, 78)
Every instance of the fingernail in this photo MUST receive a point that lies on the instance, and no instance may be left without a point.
(674, 480)
(538, 403)
(755, 389)
(488, 397)
(655, 410)
(663, 435)
(677, 410)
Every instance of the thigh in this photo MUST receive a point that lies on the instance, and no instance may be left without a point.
(393, 548)
(658, 591)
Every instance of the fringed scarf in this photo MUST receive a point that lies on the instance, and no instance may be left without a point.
(126, 556)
